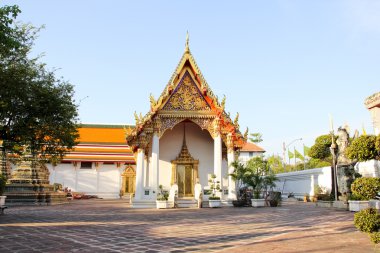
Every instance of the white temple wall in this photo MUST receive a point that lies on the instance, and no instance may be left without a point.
(200, 145)
(103, 181)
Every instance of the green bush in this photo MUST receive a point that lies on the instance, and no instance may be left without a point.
(321, 148)
(367, 220)
(377, 144)
(365, 188)
(3, 181)
(362, 148)
(375, 237)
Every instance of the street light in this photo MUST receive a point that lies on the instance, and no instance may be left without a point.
(286, 148)
(333, 150)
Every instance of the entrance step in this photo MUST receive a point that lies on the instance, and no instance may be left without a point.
(187, 203)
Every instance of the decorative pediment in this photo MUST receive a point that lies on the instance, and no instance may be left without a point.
(186, 97)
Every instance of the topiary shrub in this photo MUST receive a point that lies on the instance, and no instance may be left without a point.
(365, 188)
(367, 220)
(362, 148)
(375, 237)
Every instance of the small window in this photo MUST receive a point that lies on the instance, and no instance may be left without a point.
(250, 154)
(86, 165)
(146, 192)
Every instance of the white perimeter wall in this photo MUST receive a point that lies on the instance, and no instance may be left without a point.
(301, 182)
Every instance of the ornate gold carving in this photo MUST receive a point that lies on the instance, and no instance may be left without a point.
(143, 140)
(230, 143)
(245, 137)
(216, 125)
(236, 121)
(187, 97)
(157, 125)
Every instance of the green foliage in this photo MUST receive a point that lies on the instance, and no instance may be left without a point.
(3, 182)
(377, 144)
(362, 148)
(367, 220)
(214, 186)
(256, 137)
(276, 164)
(365, 188)
(375, 237)
(8, 36)
(239, 175)
(36, 108)
(321, 148)
(162, 195)
(214, 198)
(317, 163)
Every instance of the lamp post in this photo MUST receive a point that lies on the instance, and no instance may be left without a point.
(286, 148)
(333, 150)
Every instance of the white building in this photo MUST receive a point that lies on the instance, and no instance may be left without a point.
(185, 137)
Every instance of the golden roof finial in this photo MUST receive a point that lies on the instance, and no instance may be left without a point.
(187, 49)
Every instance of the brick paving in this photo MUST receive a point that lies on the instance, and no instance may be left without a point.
(112, 226)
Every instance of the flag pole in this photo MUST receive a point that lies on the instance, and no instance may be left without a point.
(304, 157)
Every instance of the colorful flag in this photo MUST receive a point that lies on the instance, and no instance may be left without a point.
(298, 155)
(364, 131)
(306, 150)
(290, 154)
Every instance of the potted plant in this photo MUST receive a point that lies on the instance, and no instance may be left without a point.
(3, 181)
(162, 199)
(239, 175)
(363, 189)
(275, 199)
(257, 168)
(213, 200)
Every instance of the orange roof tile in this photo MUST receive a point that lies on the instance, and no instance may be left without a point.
(251, 147)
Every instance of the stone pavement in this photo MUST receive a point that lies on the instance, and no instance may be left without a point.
(112, 226)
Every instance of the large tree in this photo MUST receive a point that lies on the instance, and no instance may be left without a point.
(36, 108)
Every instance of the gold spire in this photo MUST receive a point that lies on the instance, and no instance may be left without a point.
(187, 49)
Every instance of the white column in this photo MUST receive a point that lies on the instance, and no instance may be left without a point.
(97, 178)
(231, 182)
(76, 178)
(218, 158)
(154, 181)
(140, 174)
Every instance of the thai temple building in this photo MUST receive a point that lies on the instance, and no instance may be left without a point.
(186, 137)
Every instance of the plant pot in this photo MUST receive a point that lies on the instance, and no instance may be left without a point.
(273, 203)
(357, 205)
(238, 203)
(162, 204)
(258, 202)
(214, 203)
(2, 200)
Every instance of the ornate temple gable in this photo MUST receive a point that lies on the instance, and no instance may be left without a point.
(186, 97)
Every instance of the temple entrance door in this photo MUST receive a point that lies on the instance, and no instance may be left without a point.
(129, 184)
(128, 181)
(185, 180)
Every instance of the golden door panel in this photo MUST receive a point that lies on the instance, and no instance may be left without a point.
(185, 182)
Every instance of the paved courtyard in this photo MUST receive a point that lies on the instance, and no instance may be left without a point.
(112, 226)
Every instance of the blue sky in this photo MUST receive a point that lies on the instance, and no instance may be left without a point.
(283, 65)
